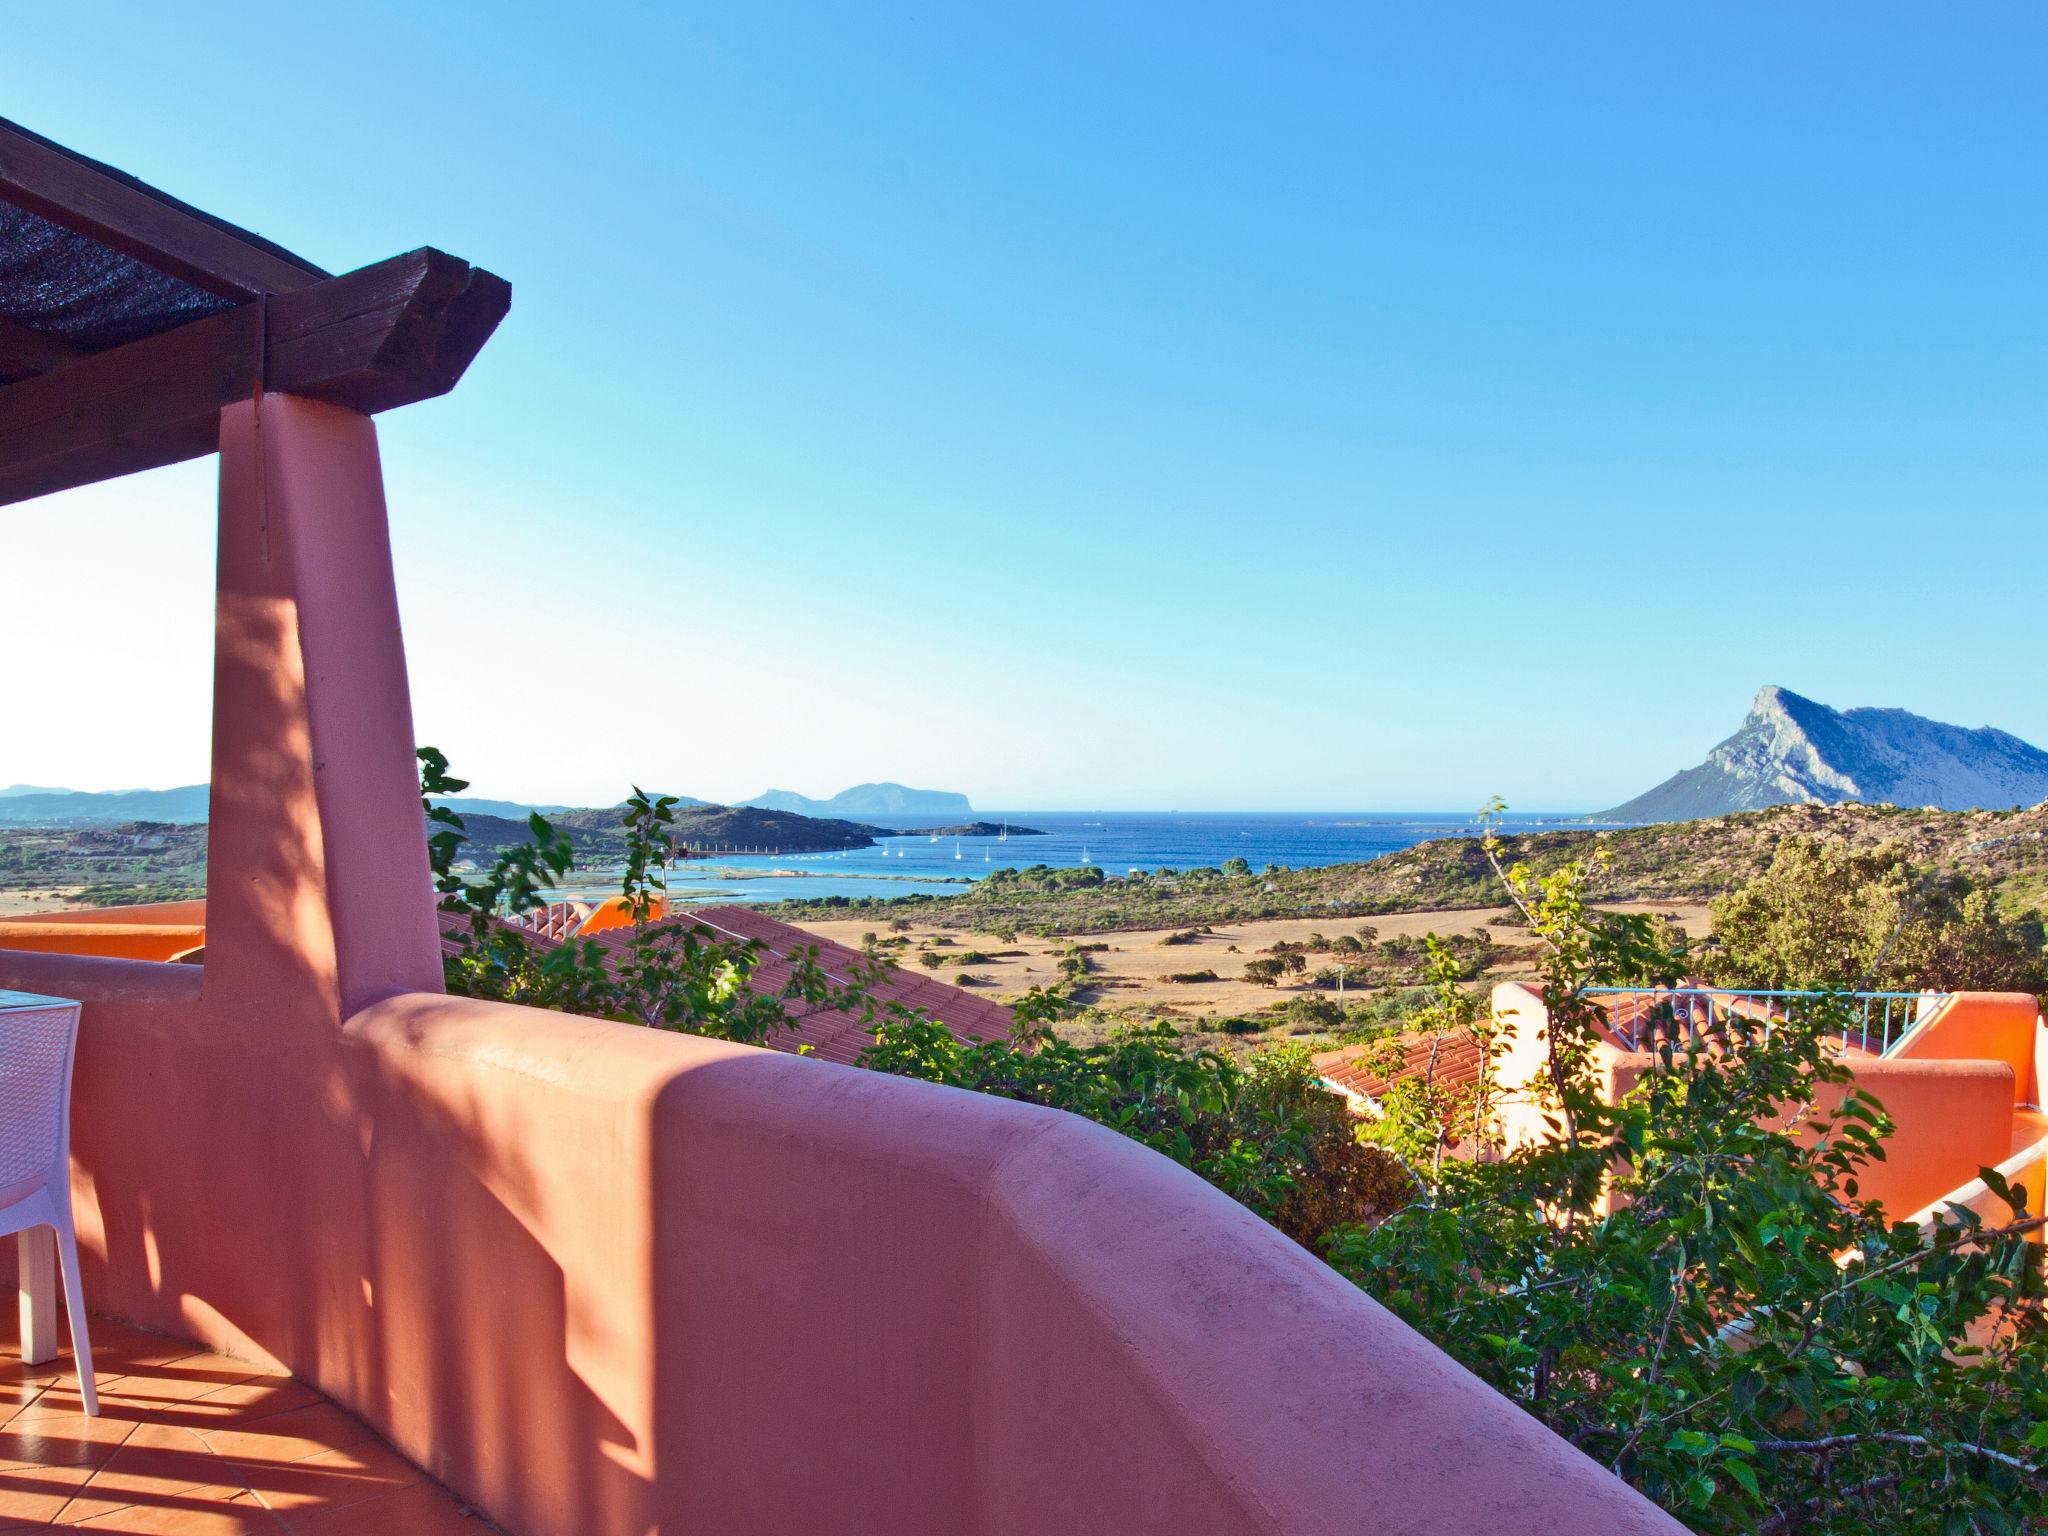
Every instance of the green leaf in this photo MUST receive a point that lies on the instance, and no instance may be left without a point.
(1741, 1472)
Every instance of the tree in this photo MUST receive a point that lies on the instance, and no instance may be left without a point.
(1828, 915)
(1263, 971)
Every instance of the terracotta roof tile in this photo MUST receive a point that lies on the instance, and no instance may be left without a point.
(1354, 1068)
(832, 1034)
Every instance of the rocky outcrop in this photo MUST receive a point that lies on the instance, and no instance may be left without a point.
(1791, 750)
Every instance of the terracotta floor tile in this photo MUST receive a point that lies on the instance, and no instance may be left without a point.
(289, 1437)
(36, 1495)
(57, 1373)
(155, 1463)
(17, 1395)
(331, 1480)
(204, 1512)
(176, 1384)
(197, 1377)
(62, 1440)
(116, 1346)
(189, 1443)
(426, 1509)
(239, 1407)
(66, 1401)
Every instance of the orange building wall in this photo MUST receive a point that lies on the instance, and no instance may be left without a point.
(1981, 1026)
(1952, 1116)
(156, 930)
(610, 914)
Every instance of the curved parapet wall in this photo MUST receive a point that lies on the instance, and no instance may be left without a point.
(708, 1287)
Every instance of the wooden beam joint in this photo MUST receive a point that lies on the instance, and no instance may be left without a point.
(380, 337)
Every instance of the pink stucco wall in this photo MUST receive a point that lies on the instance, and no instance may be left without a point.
(605, 1280)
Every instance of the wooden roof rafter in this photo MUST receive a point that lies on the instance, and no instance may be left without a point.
(231, 309)
(123, 214)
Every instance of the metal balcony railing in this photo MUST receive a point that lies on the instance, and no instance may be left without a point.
(1644, 1017)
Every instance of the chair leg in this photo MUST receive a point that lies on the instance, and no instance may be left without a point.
(74, 1308)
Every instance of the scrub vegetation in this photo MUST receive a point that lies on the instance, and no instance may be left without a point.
(50, 868)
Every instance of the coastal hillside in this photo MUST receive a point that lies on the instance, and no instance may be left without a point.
(1792, 750)
(1674, 861)
(26, 805)
(599, 837)
(867, 800)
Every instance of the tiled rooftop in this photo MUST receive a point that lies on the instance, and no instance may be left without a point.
(195, 1444)
(831, 1034)
(1352, 1068)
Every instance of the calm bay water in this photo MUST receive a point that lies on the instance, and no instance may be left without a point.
(1116, 841)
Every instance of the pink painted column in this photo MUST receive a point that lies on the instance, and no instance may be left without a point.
(318, 841)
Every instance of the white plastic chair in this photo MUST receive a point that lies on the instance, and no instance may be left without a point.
(38, 1038)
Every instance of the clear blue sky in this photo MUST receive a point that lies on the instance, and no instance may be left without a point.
(1359, 406)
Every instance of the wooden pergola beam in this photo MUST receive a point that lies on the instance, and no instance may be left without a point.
(25, 351)
(383, 336)
(122, 213)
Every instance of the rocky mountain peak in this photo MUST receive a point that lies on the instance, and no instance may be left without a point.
(1791, 749)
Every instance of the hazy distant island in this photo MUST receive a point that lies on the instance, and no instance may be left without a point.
(966, 829)
(700, 830)
(883, 799)
(23, 805)
(50, 805)
(710, 830)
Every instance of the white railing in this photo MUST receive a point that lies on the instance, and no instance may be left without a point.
(1644, 1017)
(554, 920)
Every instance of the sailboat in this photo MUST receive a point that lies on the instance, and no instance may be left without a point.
(956, 847)
(1004, 835)
(1084, 855)
(935, 837)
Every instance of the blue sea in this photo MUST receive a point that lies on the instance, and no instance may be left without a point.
(1115, 841)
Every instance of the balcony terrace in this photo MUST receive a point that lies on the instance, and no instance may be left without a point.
(595, 1279)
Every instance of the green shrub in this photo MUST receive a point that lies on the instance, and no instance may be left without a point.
(1825, 914)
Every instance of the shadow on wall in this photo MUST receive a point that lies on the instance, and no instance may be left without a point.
(922, 1309)
(467, 1356)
